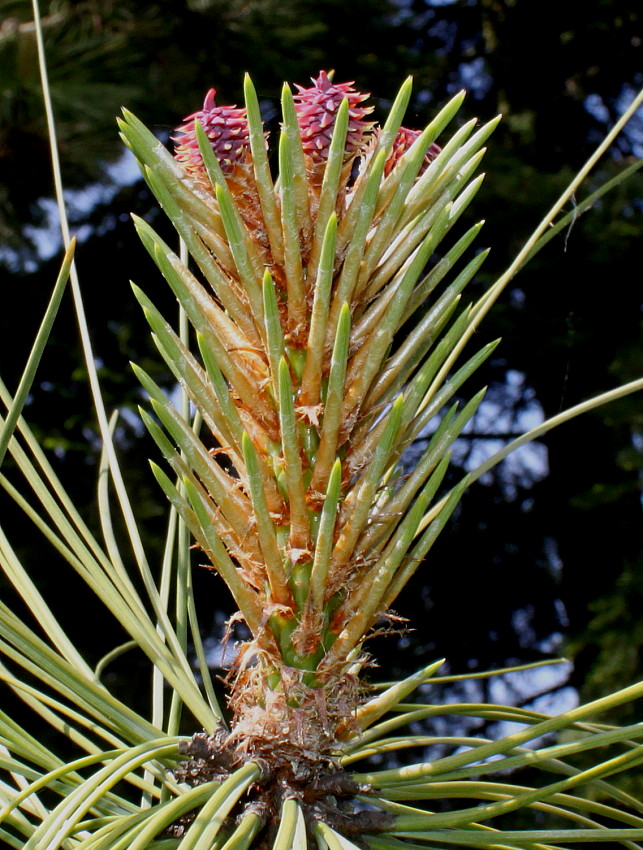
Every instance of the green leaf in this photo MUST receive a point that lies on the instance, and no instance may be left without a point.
(274, 332)
(113, 587)
(332, 839)
(386, 226)
(291, 450)
(332, 421)
(233, 504)
(433, 401)
(37, 350)
(438, 446)
(329, 189)
(312, 376)
(375, 592)
(357, 503)
(377, 707)
(208, 320)
(63, 819)
(226, 405)
(396, 115)
(275, 570)
(367, 364)
(245, 832)
(249, 274)
(261, 168)
(289, 816)
(22, 582)
(454, 157)
(428, 538)
(212, 816)
(142, 833)
(442, 267)
(295, 155)
(354, 229)
(167, 179)
(189, 374)
(197, 515)
(555, 421)
(292, 224)
(324, 540)
(437, 125)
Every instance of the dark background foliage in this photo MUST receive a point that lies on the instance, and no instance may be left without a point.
(544, 555)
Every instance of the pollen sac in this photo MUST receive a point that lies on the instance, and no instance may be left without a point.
(403, 141)
(227, 129)
(316, 112)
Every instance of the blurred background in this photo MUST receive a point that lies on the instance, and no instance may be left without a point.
(544, 557)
